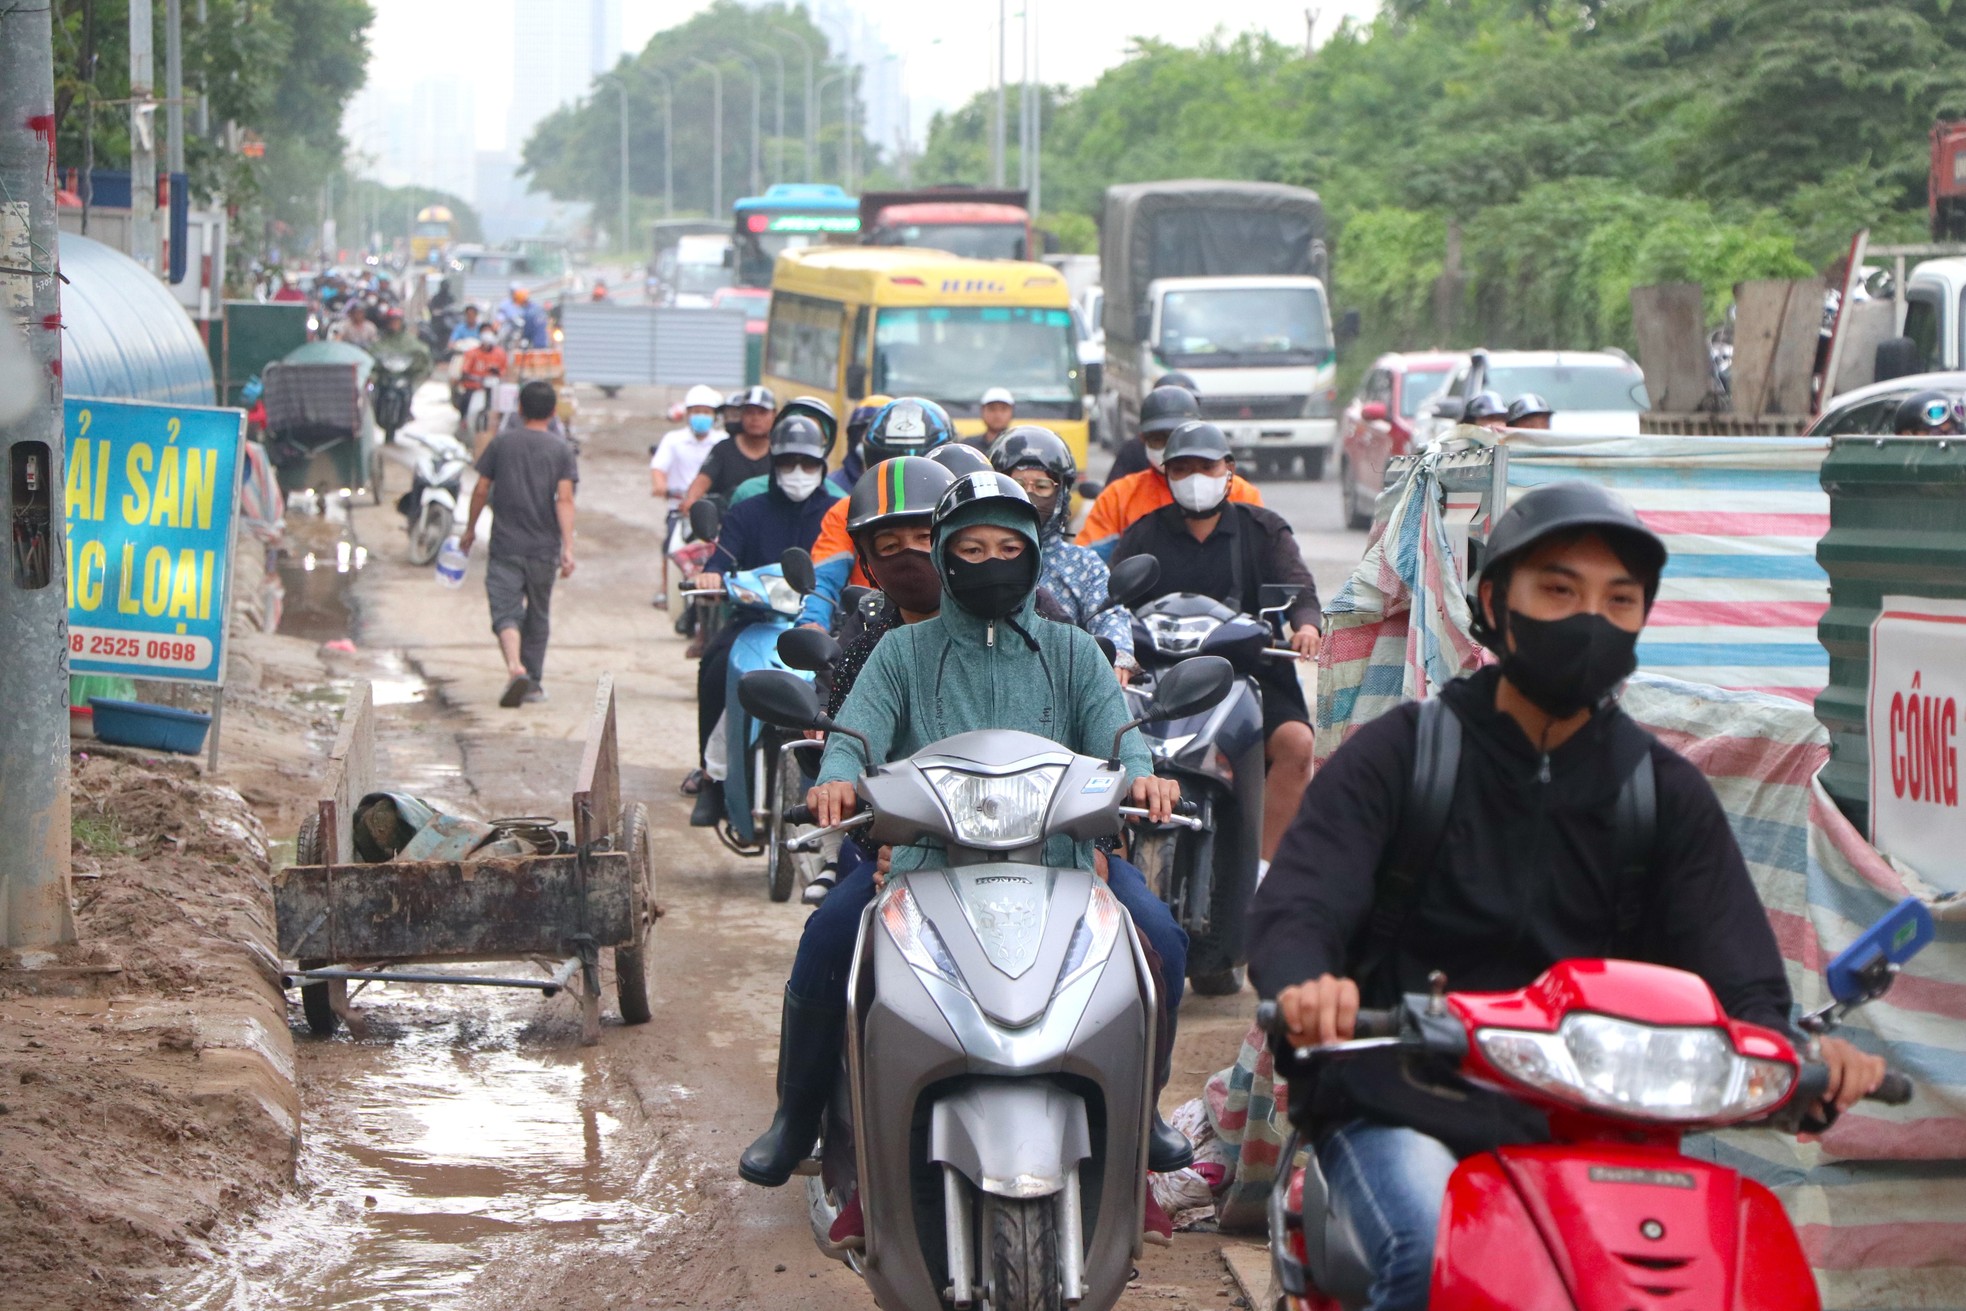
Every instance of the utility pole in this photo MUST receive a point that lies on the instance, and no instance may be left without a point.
(1024, 98)
(849, 122)
(1036, 200)
(627, 238)
(997, 141)
(143, 139)
(810, 116)
(668, 146)
(174, 84)
(34, 795)
(757, 113)
(778, 116)
(716, 136)
(204, 100)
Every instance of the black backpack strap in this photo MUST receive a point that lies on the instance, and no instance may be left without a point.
(1423, 821)
(1634, 824)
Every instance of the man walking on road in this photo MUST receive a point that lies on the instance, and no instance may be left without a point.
(526, 475)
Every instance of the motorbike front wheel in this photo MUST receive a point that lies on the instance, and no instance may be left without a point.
(1023, 1254)
(433, 525)
(781, 868)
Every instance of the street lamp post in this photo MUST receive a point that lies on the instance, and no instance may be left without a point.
(848, 129)
(997, 137)
(757, 99)
(778, 116)
(820, 99)
(621, 92)
(668, 139)
(810, 116)
(716, 135)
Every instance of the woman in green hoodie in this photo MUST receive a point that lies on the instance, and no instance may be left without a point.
(987, 660)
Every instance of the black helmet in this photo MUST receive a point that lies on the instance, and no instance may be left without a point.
(895, 490)
(1167, 407)
(757, 398)
(734, 401)
(1176, 378)
(799, 434)
(989, 485)
(1552, 510)
(734, 413)
(908, 425)
(1925, 411)
(1027, 446)
(812, 408)
(1199, 441)
(960, 458)
(1528, 406)
(1483, 405)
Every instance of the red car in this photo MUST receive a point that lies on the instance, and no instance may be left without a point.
(1378, 424)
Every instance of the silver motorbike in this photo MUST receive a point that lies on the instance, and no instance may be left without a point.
(995, 1095)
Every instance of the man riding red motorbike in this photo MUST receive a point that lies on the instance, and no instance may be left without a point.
(1519, 820)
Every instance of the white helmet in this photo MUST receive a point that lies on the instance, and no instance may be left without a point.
(703, 397)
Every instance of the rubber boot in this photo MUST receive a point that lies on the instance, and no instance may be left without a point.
(809, 1035)
(709, 806)
(1168, 1149)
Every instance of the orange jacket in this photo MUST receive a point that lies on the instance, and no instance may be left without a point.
(833, 540)
(1127, 500)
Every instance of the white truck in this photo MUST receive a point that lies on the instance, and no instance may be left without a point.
(1225, 282)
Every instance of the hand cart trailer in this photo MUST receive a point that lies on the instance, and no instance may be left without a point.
(343, 922)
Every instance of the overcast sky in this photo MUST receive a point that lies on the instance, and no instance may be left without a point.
(948, 48)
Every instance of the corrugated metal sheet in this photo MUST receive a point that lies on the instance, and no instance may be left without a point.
(124, 336)
(609, 345)
(693, 346)
(1897, 527)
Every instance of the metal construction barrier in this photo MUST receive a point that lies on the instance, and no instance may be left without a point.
(647, 345)
(1897, 508)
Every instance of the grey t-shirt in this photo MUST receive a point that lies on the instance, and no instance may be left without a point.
(526, 467)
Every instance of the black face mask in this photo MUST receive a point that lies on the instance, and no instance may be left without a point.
(992, 589)
(909, 579)
(1566, 665)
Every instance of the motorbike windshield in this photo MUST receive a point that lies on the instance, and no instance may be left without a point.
(953, 355)
(1243, 327)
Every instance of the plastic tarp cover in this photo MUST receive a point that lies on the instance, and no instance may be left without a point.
(124, 336)
(1203, 229)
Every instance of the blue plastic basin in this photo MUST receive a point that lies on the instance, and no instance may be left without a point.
(160, 728)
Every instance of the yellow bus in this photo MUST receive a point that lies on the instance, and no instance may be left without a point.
(854, 321)
(432, 235)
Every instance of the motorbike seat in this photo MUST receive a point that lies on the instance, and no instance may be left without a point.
(1337, 1262)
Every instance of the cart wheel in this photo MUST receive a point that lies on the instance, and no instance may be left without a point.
(631, 980)
(316, 1002)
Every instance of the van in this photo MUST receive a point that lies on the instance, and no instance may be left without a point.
(848, 322)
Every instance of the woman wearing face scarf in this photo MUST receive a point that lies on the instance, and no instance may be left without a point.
(1527, 868)
(987, 659)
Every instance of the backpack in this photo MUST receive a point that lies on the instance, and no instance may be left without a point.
(1401, 878)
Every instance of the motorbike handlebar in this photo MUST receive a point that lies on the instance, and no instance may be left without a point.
(800, 814)
(1894, 1091)
(1369, 1024)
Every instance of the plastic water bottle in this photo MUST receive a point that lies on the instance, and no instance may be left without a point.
(451, 563)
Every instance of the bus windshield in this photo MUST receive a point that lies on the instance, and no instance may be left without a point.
(969, 240)
(954, 355)
(763, 235)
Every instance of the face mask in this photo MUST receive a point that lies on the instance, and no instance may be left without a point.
(1157, 455)
(799, 483)
(700, 424)
(1200, 493)
(909, 579)
(1566, 665)
(992, 589)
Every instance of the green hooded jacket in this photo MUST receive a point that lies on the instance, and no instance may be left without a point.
(956, 673)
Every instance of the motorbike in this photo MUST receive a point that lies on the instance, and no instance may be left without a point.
(432, 506)
(1205, 874)
(391, 397)
(1609, 1213)
(762, 764)
(993, 1104)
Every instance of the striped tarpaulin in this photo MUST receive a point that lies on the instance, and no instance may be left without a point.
(1741, 517)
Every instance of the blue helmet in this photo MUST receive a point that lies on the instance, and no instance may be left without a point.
(907, 425)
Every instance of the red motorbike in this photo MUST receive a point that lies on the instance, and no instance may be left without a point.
(1608, 1215)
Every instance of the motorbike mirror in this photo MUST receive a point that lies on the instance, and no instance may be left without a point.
(1864, 969)
(1131, 580)
(1089, 488)
(808, 649)
(796, 564)
(1107, 649)
(705, 520)
(1194, 685)
(1277, 596)
(779, 698)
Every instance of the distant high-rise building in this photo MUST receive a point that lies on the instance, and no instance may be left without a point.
(558, 46)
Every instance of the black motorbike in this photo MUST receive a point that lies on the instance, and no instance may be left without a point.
(1207, 873)
(393, 390)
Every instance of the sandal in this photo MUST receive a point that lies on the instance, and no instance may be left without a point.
(692, 782)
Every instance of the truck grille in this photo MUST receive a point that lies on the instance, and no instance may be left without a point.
(1253, 407)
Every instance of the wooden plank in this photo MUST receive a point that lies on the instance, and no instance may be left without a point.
(521, 906)
(1671, 325)
(1778, 324)
(597, 792)
(349, 776)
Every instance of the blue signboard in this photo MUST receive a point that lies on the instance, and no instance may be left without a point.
(153, 499)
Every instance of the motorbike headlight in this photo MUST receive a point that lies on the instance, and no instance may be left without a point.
(996, 810)
(1180, 636)
(916, 938)
(1092, 939)
(395, 363)
(1690, 1075)
(782, 596)
(743, 595)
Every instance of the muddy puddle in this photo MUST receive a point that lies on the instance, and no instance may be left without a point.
(466, 1132)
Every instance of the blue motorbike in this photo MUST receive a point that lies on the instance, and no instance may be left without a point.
(764, 772)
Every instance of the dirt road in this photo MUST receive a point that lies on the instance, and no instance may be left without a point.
(465, 1152)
